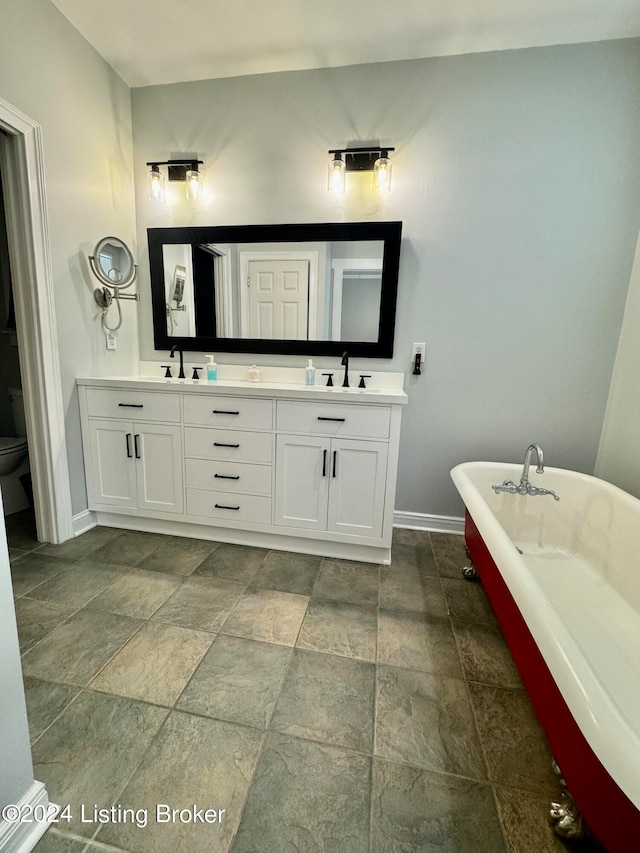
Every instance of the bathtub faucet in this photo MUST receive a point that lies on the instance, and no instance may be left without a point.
(525, 487)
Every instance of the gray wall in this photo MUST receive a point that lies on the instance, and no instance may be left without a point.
(517, 177)
(49, 72)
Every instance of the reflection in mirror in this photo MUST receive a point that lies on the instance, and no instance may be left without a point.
(308, 289)
(112, 262)
(318, 291)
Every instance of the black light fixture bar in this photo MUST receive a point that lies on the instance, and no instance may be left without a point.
(360, 159)
(177, 169)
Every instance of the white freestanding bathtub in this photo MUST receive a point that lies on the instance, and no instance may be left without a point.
(564, 580)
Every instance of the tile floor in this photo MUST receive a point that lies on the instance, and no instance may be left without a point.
(325, 705)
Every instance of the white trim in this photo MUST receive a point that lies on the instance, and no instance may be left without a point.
(27, 226)
(426, 521)
(22, 837)
(83, 522)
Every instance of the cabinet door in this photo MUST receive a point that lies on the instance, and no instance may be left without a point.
(302, 481)
(357, 487)
(158, 450)
(113, 480)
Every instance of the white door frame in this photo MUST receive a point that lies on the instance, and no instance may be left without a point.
(341, 268)
(28, 234)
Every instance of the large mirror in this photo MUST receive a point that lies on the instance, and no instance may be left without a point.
(293, 289)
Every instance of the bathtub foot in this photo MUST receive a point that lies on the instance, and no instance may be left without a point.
(564, 816)
(469, 573)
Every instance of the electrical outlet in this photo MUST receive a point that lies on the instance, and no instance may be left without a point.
(112, 340)
(417, 358)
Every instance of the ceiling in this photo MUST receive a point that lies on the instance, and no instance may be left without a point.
(168, 41)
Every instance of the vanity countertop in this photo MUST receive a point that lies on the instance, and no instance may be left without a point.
(267, 388)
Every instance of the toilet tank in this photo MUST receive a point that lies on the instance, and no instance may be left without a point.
(17, 406)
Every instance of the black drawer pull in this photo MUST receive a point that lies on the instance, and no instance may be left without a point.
(131, 405)
(227, 476)
(341, 420)
(222, 444)
(129, 454)
(135, 444)
(335, 456)
(224, 506)
(224, 412)
(324, 463)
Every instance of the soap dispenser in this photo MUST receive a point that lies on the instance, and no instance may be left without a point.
(310, 374)
(212, 369)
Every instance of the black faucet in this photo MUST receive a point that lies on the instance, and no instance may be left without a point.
(173, 349)
(345, 364)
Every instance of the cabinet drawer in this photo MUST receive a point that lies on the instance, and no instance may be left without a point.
(133, 405)
(333, 419)
(236, 477)
(229, 506)
(228, 445)
(228, 412)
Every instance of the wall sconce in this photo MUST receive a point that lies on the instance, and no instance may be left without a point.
(374, 160)
(177, 170)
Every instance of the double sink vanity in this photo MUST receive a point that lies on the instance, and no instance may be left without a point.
(276, 464)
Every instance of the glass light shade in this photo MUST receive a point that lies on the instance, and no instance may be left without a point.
(382, 175)
(336, 183)
(155, 180)
(194, 185)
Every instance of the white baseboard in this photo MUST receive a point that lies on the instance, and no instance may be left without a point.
(84, 521)
(432, 523)
(22, 837)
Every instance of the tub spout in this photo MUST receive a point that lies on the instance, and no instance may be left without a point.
(524, 480)
(525, 487)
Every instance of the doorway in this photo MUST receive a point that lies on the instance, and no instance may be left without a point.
(25, 207)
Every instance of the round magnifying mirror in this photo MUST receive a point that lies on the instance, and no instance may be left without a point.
(112, 263)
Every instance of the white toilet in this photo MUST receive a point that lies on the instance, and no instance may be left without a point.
(13, 458)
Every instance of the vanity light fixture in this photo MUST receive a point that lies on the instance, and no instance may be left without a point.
(177, 170)
(367, 159)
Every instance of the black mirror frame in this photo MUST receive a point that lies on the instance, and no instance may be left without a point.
(388, 232)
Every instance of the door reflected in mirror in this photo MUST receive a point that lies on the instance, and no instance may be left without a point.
(308, 289)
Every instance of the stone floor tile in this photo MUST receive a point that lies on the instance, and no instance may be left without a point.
(351, 582)
(79, 584)
(407, 589)
(413, 558)
(82, 546)
(137, 593)
(411, 536)
(338, 628)
(419, 811)
(232, 562)
(45, 700)
(417, 641)
(195, 761)
(287, 572)
(426, 720)
(514, 744)
(202, 603)
(92, 749)
(128, 549)
(238, 680)
(267, 615)
(450, 554)
(76, 651)
(33, 569)
(467, 601)
(155, 665)
(36, 619)
(54, 841)
(322, 797)
(327, 699)
(485, 655)
(178, 555)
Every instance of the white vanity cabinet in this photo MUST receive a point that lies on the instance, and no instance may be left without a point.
(308, 470)
(134, 464)
(326, 480)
